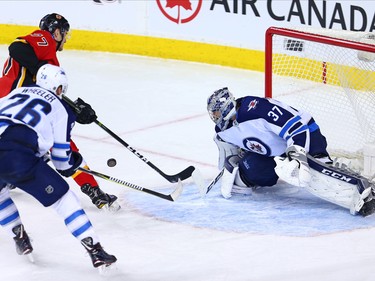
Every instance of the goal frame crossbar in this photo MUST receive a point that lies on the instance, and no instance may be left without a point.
(302, 35)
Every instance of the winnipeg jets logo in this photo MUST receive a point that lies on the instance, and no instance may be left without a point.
(256, 145)
(252, 105)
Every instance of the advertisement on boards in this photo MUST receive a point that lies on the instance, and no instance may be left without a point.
(236, 23)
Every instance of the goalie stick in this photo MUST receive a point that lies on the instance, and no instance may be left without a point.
(171, 178)
(171, 197)
(214, 181)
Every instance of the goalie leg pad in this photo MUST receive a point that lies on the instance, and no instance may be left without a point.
(337, 192)
(338, 186)
(231, 181)
(240, 187)
(227, 182)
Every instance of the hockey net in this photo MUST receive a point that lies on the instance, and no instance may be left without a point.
(330, 74)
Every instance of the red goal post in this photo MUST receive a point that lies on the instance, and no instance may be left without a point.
(329, 73)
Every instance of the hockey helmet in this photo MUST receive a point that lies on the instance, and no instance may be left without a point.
(54, 21)
(221, 107)
(51, 77)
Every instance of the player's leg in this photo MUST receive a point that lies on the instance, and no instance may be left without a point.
(242, 175)
(51, 190)
(342, 187)
(10, 220)
(16, 165)
(76, 220)
(90, 187)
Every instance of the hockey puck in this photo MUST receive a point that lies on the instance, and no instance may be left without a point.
(111, 162)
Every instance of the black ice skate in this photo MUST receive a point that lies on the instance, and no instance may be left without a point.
(22, 240)
(98, 256)
(368, 207)
(99, 198)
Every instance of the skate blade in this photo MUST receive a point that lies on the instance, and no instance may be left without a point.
(30, 257)
(115, 207)
(107, 269)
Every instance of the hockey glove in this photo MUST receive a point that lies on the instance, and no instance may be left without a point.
(76, 157)
(85, 114)
(47, 157)
(294, 169)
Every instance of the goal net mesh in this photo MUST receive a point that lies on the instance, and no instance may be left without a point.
(330, 74)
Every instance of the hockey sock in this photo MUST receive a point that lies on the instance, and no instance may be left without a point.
(81, 178)
(75, 218)
(9, 216)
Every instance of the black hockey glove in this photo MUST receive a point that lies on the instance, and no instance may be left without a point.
(77, 158)
(86, 114)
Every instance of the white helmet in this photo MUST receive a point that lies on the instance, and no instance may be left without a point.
(51, 77)
(221, 107)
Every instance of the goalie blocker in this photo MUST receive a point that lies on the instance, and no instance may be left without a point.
(339, 186)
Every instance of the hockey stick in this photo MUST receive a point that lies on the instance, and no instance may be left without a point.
(171, 197)
(214, 181)
(171, 178)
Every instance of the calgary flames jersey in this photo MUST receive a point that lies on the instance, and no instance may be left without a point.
(26, 55)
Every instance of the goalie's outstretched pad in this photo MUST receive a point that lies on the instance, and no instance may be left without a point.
(341, 187)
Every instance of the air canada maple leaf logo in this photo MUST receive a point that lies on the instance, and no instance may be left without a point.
(180, 11)
(180, 3)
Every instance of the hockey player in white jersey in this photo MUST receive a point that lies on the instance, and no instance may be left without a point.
(262, 140)
(33, 121)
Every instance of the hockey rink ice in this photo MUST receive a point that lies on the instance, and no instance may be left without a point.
(158, 107)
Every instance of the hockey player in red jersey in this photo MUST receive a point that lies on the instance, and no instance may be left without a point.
(26, 55)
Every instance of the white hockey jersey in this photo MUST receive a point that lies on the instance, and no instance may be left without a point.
(46, 114)
(268, 127)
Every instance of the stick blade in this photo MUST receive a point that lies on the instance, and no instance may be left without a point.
(199, 182)
(183, 175)
(177, 192)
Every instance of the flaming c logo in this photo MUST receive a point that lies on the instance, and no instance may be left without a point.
(178, 8)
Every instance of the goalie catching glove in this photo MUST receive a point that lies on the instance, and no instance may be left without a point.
(84, 113)
(294, 168)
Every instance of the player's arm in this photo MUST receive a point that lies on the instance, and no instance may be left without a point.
(289, 125)
(24, 54)
(63, 158)
(286, 122)
(226, 149)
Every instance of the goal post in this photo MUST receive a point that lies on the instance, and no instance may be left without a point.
(331, 74)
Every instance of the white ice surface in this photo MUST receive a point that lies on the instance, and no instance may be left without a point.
(158, 107)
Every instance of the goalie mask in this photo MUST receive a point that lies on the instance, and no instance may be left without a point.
(51, 77)
(221, 107)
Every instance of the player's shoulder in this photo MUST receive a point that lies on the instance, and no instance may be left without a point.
(41, 38)
(251, 107)
(38, 33)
